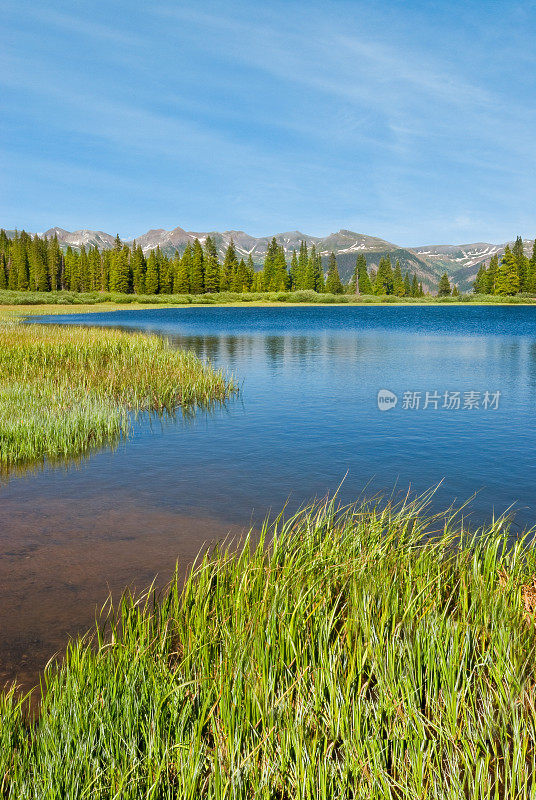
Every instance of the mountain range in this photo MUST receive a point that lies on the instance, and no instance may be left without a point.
(460, 262)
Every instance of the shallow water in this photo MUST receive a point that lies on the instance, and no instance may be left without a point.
(307, 416)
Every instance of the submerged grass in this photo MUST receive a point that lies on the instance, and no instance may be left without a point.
(350, 654)
(64, 390)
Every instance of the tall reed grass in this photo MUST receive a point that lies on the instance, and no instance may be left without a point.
(64, 390)
(349, 654)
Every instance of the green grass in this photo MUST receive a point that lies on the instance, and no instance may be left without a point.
(65, 298)
(65, 390)
(349, 654)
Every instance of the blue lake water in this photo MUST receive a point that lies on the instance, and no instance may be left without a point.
(307, 417)
(308, 414)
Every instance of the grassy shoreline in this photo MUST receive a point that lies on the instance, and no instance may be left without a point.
(64, 390)
(346, 655)
(70, 301)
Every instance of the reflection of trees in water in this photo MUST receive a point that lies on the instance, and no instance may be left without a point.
(229, 349)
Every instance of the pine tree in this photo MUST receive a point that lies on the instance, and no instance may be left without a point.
(165, 272)
(414, 286)
(152, 278)
(481, 280)
(197, 274)
(491, 274)
(257, 284)
(38, 273)
(455, 291)
(281, 279)
(3, 273)
(532, 270)
(11, 273)
(398, 281)
(120, 271)
(250, 269)
(303, 260)
(407, 285)
(443, 289)
(333, 279)
(183, 270)
(314, 274)
(507, 282)
(294, 271)
(95, 269)
(229, 267)
(106, 264)
(363, 284)
(522, 263)
(271, 271)
(319, 273)
(384, 277)
(83, 271)
(240, 280)
(212, 266)
(138, 267)
(20, 265)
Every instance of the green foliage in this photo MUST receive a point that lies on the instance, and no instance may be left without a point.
(342, 654)
(274, 275)
(3, 273)
(384, 283)
(197, 276)
(314, 276)
(294, 271)
(33, 264)
(507, 280)
(521, 263)
(183, 270)
(531, 279)
(152, 277)
(119, 271)
(481, 281)
(398, 281)
(77, 385)
(333, 280)
(515, 274)
(443, 289)
(363, 285)
(212, 267)
(138, 268)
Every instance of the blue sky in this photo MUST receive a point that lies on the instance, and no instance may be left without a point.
(413, 121)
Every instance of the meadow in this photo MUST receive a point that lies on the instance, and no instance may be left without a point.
(364, 652)
(66, 390)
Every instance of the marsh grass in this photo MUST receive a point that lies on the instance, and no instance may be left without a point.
(351, 653)
(65, 390)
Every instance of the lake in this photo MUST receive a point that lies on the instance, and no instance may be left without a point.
(307, 418)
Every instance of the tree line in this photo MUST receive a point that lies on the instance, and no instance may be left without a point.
(31, 263)
(515, 273)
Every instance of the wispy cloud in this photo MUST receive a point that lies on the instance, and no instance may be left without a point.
(393, 118)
